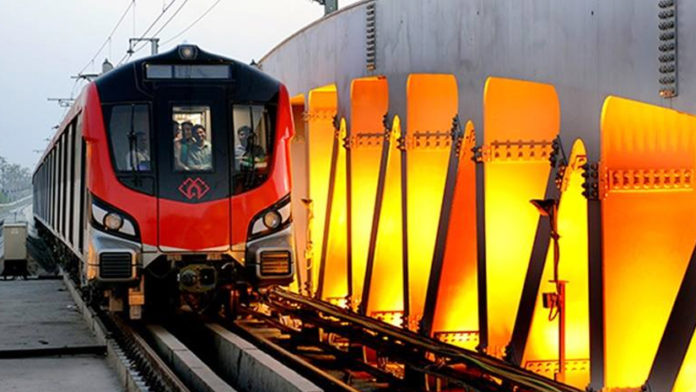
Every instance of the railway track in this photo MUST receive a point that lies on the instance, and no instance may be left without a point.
(185, 353)
(147, 357)
(328, 348)
(361, 353)
(326, 364)
(138, 366)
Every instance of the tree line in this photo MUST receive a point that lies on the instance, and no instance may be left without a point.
(15, 181)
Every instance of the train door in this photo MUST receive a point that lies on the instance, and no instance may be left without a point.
(193, 170)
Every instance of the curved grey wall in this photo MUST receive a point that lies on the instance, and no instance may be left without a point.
(587, 49)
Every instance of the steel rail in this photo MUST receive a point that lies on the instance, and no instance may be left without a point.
(293, 360)
(414, 347)
(333, 350)
(304, 364)
(135, 361)
(394, 381)
(415, 359)
(149, 363)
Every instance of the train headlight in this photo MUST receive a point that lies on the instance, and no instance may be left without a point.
(272, 220)
(187, 52)
(109, 218)
(113, 221)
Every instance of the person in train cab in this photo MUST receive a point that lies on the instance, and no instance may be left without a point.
(178, 142)
(247, 152)
(138, 157)
(182, 145)
(176, 129)
(199, 156)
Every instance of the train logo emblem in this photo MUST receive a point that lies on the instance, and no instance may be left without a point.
(194, 188)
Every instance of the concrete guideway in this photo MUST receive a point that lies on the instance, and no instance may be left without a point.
(212, 357)
(254, 368)
(40, 319)
(241, 363)
(194, 371)
(126, 368)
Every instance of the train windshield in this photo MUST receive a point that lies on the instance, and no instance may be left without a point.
(192, 147)
(252, 144)
(129, 132)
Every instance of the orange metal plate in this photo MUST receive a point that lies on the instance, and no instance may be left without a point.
(322, 106)
(456, 309)
(432, 105)
(369, 103)
(386, 284)
(648, 231)
(514, 111)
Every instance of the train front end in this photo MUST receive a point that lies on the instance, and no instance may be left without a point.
(189, 181)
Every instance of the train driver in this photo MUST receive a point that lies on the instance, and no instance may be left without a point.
(247, 152)
(139, 155)
(199, 155)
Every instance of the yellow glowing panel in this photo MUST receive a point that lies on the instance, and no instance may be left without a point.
(513, 111)
(335, 287)
(686, 381)
(322, 109)
(456, 310)
(386, 293)
(542, 344)
(299, 174)
(297, 100)
(431, 106)
(369, 104)
(648, 230)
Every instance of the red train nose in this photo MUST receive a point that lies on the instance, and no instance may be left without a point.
(194, 227)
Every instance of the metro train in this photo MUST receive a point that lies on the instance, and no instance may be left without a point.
(168, 184)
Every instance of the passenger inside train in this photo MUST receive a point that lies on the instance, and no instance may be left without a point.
(138, 156)
(193, 144)
(247, 152)
(199, 155)
(250, 145)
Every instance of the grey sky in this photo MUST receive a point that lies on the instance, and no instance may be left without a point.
(44, 42)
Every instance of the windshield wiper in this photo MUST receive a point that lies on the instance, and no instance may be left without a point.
(251, 168)
(133, 146)
(249, 153)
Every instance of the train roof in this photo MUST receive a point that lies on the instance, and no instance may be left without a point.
(250, 83)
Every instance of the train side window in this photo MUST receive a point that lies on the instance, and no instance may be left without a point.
(129, 133)
(251, 141)
(192, 138)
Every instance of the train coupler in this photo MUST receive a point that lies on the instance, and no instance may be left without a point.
(136, 300)
(197, 278)
(115, 301)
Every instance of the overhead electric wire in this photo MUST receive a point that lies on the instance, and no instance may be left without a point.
(101, 48)
(193, 23)
(170, 18)
(108, 38)
(154, 22)
(103, 45)
(162, 27)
